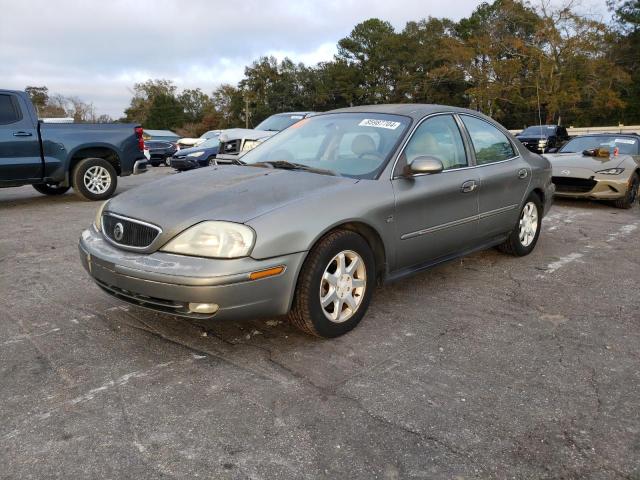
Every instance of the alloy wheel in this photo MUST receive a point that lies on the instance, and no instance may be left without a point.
(97, 179)
(342, 286)
(528, 224)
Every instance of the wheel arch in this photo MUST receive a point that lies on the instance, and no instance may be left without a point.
(95, 151)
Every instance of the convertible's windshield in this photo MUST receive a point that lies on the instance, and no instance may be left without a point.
(356, 145)
(626, 145)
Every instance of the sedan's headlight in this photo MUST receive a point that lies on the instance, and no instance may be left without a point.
(214, 240)
(250, 145)
(611, 171)
(195, 154)
(97, 222)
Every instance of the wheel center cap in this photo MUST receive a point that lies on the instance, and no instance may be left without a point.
(344, 286)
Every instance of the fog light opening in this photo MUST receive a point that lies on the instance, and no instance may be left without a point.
(203, 308)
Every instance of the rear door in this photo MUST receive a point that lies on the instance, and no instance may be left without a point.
(504, 177)
(19, 145)
(435, 215)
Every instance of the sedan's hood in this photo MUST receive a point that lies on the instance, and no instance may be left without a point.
(239, 133)
(578, 160)
(231, 193)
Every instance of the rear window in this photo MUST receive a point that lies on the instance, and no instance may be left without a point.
(9, 112)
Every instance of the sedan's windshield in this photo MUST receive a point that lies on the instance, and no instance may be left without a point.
(276, 123)
(211, 142)
(626, 145)
(356, 145)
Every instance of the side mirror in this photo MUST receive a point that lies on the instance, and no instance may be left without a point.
(424, 165)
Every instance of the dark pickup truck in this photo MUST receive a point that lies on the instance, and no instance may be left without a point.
(55, 157)
(543, 138)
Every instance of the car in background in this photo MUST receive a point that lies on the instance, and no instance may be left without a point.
(311, 221)
(237, 141)
(160, 151)
(195, 157)
(599, 167)
(542, 138)
(188, 142)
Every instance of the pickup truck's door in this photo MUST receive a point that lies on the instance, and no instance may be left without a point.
(436, 215)
(20, 158)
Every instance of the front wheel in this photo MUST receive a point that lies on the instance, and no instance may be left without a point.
(211, 161)
(524, 236)
(335, 285)
(632, 193)
(94, 179)
(50, 189)
(167, 161)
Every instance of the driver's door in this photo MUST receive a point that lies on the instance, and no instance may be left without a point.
(436, 215)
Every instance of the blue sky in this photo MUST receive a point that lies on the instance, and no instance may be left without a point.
(97, 49)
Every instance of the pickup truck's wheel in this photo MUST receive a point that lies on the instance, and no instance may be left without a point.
(50, 189)
(335, 285)
(94, 179)
(632, 193)
(524, 236)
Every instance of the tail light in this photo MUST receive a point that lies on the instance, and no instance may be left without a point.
(138, 131)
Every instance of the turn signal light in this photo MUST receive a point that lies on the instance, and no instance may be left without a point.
(269, 272)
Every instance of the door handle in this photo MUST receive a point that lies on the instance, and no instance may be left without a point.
(22, 134)
(468, 186)
(523, 173)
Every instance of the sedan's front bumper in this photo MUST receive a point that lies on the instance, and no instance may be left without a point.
(169, 283)
(184, 163)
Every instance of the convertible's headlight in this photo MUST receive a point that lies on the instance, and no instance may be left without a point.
(611, 171)
(97, 222)
(214, 240)
(195, 154)
(250, 145)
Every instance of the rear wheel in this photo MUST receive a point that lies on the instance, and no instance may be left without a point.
(632, 193)
(50, 189)
(94, 179)
(335, 285)
(524, 236)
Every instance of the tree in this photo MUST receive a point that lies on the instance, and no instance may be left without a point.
(194, 104)
(165, 112)
(39, 96)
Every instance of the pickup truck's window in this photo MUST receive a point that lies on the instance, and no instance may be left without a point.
(489, 143)
(8, 111)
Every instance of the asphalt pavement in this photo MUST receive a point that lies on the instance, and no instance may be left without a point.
(487, 367)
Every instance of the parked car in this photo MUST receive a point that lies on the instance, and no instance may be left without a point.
(160, 152)
(194, 142)
(237, 141)
(54, 157)
(200, 156)
(542, 138)
(309, 222)
(599, 167)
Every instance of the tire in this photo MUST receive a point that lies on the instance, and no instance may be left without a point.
(167, 161)
(307, 312)
(211, 161)
(104, 173)
(522, 240)
(632, 193)
(50, 189)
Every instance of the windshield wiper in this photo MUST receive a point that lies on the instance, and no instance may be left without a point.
(285, 165)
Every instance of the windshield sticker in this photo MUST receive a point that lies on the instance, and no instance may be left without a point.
(628, 141)
(368, 122)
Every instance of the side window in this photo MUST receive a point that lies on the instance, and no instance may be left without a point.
(489, 143)
(438, 137)
(8, 110)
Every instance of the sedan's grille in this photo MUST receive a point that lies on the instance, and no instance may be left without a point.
(129, 232)
(573, 185)
(231, 147)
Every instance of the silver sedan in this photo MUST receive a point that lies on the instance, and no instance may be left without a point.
(307, 223)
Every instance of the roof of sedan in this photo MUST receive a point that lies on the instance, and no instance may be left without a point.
(414, 110)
